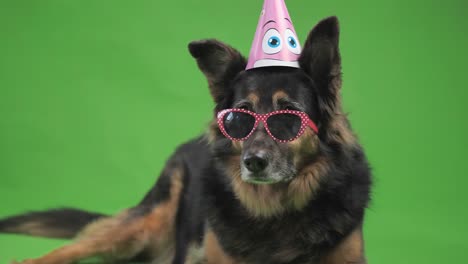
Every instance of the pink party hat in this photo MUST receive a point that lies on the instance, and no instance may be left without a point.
(275, 42)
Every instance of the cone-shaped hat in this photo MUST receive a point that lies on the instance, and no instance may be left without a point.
(275, 42)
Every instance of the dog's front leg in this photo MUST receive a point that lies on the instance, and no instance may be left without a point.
(349, 251)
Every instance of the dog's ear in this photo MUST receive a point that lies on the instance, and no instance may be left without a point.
(219, 62)
(320, 59)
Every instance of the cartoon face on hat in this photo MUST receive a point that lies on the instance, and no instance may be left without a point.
(275, 42)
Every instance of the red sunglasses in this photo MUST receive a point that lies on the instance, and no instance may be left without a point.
(283, 125)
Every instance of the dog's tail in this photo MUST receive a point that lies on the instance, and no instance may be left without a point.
(62, 223)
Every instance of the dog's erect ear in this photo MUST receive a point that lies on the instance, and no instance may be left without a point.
(320, 58)
(219, 62)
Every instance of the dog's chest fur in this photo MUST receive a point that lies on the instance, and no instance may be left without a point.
(293, 237)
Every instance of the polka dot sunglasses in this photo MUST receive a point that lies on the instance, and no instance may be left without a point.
(283, 125)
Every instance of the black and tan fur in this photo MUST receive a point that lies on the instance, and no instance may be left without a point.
(202, 210)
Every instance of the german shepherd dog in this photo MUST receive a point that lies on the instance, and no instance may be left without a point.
(283, 194)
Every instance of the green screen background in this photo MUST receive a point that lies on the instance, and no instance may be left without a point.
(95, 96)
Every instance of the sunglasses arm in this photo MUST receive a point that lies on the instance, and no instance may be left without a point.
(312, 125)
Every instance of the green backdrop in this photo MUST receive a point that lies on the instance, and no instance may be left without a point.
(92, 94)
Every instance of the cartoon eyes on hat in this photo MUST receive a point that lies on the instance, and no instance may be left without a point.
(271, 43)
(293, 44)
(274, 42)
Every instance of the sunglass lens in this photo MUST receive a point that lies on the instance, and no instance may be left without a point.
(238, 125)
(284, 126)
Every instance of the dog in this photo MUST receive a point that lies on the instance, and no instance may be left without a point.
(279, 177)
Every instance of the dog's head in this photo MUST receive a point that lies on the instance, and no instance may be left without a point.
(269, 176)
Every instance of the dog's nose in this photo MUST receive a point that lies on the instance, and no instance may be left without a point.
(255, 163)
